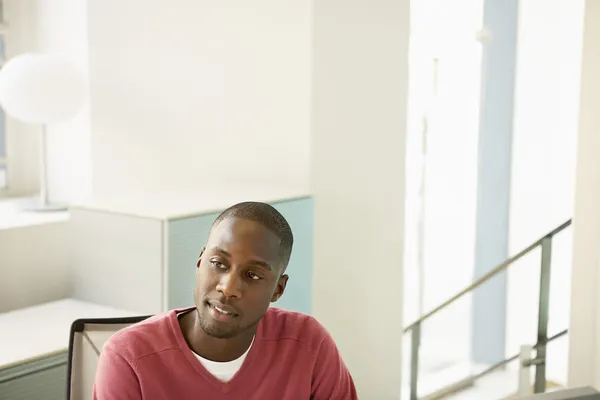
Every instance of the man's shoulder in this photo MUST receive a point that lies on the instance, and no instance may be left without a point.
(152, 335)
(280, 324)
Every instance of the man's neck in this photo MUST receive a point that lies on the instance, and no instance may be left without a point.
(212, 348)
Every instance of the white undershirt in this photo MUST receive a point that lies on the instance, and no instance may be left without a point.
(224, 371)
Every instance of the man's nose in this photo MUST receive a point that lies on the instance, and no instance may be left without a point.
(230, 285)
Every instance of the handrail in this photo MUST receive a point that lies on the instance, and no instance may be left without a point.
(516, 356)
(501, 267)
(545, 243)
(470, 381)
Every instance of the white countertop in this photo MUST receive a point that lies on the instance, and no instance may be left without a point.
(175, 205)
(14, 215)
(41, 330)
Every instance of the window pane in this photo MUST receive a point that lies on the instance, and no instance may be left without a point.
(443, 120)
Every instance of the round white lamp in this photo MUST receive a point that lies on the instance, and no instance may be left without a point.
(41, 89)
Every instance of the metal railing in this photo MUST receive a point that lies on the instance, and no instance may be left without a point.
(539, 361)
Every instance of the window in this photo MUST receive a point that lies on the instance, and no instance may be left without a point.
(444, 95)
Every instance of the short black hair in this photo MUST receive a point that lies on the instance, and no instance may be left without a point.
(267, 216)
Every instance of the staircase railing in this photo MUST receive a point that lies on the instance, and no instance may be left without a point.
(539, 361)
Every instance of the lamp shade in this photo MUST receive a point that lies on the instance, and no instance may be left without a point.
(41, 88)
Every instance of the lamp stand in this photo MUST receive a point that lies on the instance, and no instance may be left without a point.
(42, 203)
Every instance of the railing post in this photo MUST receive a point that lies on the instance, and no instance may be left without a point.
(524, 371)
(544, 302)
(414, 360)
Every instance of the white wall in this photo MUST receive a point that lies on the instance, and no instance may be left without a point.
(195, 92)
(360, 80)
(584, 343)
(56, 27)
(33, 264)
(543, 165)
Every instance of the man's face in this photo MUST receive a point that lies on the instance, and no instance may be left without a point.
(237, 276)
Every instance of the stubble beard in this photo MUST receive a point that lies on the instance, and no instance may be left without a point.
(211, 328)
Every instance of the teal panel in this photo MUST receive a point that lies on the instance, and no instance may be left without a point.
(298, 294)
(44, 378)
(187, 237)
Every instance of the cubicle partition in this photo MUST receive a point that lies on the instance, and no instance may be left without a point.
(144, 258)
(34, 344)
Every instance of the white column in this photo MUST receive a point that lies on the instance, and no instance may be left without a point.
(360, 83)
(584, 342)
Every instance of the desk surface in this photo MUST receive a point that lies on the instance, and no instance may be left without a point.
(14, 215)
(37, 331)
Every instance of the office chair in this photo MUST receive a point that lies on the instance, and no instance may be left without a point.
(87, 338)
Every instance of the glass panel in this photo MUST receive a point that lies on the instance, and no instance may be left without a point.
(522, 302)
(557, 356)
(444, 354)
(502, 383)
(523, 299)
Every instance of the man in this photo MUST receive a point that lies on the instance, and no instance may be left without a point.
(231, 345)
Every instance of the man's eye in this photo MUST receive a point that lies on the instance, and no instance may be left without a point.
(253, 276)
(217, 264)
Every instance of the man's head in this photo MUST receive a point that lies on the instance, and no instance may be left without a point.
(241, 269)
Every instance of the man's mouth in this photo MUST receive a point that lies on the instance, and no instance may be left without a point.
(221, 312)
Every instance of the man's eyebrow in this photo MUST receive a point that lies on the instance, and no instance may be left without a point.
(220, 250)
(258, 263)
(261, 264)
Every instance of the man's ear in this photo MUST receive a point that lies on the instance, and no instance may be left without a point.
(280, 288)
(200, 257)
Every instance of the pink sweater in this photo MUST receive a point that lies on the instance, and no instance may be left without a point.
(293, 357)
